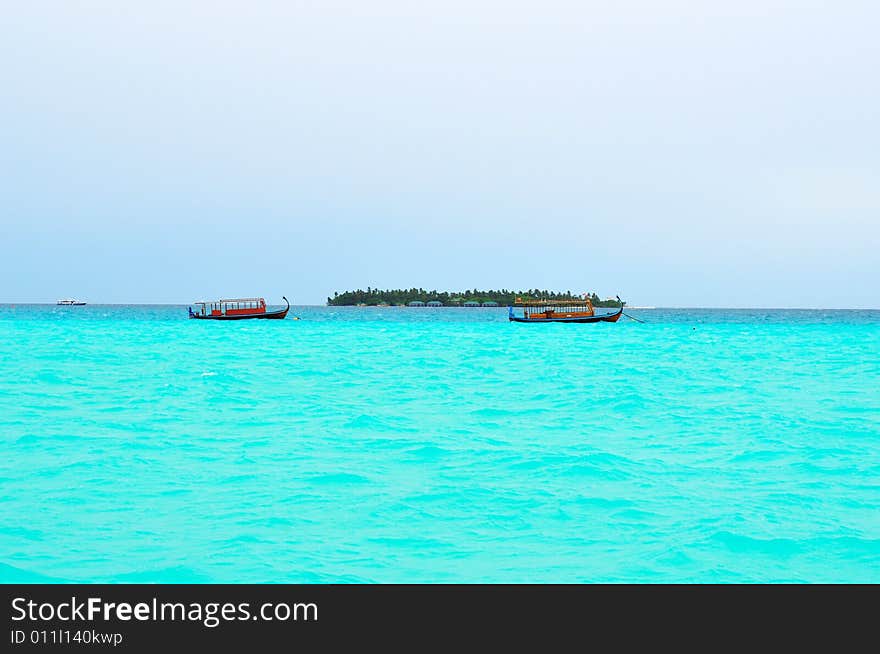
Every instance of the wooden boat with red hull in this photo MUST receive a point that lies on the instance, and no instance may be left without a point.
(237, 309)
(570, 311)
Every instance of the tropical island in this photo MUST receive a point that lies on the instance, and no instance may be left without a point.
(467, 298)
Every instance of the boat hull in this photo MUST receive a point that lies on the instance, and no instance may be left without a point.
(608, 317)
(268, 315)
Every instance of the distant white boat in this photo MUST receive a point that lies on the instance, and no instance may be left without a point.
(71, 303)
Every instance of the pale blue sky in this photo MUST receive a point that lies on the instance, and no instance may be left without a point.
(678, 153)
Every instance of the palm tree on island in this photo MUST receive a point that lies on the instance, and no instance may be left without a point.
(472, 297)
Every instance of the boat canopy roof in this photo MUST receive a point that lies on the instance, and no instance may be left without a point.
(527, 302)
(230, 300)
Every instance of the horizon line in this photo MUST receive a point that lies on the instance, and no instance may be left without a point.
(631, 308)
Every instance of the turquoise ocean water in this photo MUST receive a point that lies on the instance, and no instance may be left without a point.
(438, 445)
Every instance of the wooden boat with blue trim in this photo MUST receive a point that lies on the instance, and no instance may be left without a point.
(573, 311)
(237, 309)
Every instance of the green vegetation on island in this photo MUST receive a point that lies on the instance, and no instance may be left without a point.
(503, 297)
